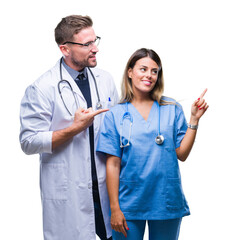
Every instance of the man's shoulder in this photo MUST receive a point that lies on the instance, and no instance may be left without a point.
(50, 77)
(100, 73)
(46, 82)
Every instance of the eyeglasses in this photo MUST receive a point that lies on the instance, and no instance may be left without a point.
(88, 45)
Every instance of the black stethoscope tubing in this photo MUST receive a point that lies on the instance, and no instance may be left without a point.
(98, 104)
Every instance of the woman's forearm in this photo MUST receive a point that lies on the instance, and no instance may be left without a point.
(112, 180)
(187, 143)
(199, 107)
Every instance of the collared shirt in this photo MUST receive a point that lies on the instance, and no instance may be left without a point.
(73, 73)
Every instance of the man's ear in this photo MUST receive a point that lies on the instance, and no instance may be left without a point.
(65, 50)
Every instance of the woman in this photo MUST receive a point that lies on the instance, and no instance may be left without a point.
(143, 137)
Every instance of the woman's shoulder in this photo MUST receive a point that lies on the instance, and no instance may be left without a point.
(165, 99)
(117, 110)
(118, 107)
(169, 102)
(171, 105)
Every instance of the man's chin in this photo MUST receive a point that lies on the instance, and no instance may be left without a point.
(92, 64)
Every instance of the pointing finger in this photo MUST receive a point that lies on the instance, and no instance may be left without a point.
(203, 93)
(99, 111)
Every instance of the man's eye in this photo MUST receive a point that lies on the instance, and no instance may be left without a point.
(88, 44)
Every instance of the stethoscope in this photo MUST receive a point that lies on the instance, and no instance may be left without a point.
(127, 116)
(98, 104)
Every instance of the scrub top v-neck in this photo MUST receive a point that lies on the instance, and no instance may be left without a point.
(138, 115)
(149, 182)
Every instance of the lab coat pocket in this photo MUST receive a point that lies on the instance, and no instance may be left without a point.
(107, 103)
(53, 181)
(174, 194)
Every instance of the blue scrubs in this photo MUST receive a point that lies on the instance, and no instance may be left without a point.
(150, 182)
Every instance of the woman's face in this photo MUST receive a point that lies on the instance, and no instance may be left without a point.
(143, 75)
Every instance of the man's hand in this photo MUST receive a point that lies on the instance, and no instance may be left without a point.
(83, 118)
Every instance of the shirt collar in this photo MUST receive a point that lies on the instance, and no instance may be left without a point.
(73, 73)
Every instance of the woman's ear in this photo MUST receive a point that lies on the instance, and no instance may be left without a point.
(129, 72)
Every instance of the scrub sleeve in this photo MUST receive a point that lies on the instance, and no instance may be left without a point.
(181, 126)
(109, 140)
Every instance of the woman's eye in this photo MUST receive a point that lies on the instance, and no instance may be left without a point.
(143, 69)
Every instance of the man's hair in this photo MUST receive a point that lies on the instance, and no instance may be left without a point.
(69, 26)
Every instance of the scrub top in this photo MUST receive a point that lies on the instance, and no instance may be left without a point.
(149, 182)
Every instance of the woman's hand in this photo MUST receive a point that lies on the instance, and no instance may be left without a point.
(118, 222)
(199, 107)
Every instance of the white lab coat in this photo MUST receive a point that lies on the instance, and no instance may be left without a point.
(65, 173)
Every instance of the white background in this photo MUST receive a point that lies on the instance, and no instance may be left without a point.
(191, 39)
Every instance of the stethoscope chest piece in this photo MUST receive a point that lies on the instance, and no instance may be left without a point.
(98, 105)
(159, 139)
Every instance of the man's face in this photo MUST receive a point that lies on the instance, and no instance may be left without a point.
(82, 56)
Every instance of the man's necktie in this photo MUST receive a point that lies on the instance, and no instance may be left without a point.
(80, 76)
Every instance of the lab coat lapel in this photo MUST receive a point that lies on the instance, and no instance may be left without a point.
(93, 92)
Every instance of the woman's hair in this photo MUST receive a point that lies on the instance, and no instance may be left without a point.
(69, 26)
(126, 88)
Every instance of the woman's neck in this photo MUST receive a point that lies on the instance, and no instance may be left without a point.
(143, 105)
(141, 99)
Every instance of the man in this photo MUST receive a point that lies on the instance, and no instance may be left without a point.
(60, 119)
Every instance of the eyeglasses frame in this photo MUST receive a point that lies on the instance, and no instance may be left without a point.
(84, 44)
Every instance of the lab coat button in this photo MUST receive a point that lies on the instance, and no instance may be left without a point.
(89, 185)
